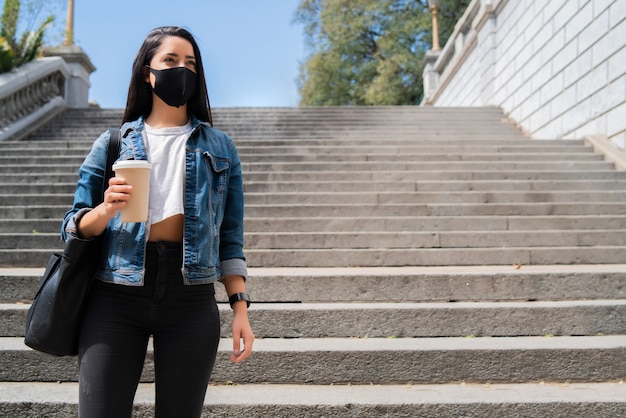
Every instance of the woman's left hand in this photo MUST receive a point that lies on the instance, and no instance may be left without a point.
(242, 333)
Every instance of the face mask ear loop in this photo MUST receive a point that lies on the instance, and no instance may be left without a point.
(148, 84)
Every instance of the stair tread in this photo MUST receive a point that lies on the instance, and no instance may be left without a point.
(422, 344)
(412, 306)
(417, 395)
(261, 272)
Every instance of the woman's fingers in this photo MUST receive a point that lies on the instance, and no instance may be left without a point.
(118, 191)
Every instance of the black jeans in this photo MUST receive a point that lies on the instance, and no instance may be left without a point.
(184, 323)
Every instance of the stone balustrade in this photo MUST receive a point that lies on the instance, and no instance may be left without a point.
(32, 93)
(31, 97)
(36, 92)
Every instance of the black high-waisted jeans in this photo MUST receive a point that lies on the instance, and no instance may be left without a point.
(185, 325)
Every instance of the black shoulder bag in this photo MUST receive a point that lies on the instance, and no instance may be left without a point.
(53, 320)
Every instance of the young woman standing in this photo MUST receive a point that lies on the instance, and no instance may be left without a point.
(156, 278)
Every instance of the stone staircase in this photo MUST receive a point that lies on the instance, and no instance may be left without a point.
(404, 261)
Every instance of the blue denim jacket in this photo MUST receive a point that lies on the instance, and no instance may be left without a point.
(213, 199)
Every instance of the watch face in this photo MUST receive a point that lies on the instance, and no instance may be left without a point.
(239, 296)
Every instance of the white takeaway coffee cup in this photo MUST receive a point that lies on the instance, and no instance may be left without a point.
(137, 174)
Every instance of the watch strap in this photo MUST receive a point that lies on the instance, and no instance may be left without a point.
(237, 297)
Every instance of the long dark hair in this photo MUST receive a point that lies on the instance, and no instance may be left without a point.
(139, 101)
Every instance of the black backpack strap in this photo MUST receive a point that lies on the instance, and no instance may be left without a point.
(113, 153)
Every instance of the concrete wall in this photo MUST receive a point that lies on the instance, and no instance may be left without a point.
(557, 67)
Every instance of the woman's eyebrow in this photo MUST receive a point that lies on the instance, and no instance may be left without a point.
(173, 54)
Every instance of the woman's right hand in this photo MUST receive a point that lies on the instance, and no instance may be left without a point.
(116, 196)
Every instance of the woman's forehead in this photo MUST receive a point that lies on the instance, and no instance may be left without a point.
(175, 45)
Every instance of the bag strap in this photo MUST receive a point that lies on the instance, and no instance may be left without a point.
(113, 153)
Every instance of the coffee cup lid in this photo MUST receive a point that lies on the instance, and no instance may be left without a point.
(131, 164)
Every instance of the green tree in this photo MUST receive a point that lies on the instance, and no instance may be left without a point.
(14, 52)
(368, 52)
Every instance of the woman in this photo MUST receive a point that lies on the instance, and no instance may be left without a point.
(156, 278)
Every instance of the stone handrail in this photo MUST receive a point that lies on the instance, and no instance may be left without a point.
(611, 152)
(441, 66)
(31, 95)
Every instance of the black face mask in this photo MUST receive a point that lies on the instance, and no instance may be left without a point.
(174, 86)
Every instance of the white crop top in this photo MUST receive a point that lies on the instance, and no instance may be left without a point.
(166, 153)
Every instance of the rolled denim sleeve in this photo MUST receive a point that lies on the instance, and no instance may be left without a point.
(234, 267)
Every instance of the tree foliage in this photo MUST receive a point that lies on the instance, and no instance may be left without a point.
(14, 52)
(368, 52)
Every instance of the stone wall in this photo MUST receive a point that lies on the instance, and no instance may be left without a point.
(557, 68)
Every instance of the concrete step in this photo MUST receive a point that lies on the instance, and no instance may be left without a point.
(348, 157)
(499, 142)
(401, 284)
(409, 175)
(408, 320)
(349, 166)
(33, 226)
(531, 400)
(372, 257)
(377, 361)
(404, 209)
(19, 213)
(56, 146)
(374, 119)
(365, 239)
(307, 146)
(506, 166)
(459, 149)
(305, 133)
(359, 166)
(382, 197)
(406, 186)
(435, 223)
(30, 152)
(61, 146)
(33, 200)
(40, 169)
(21, 218)
(312, 129)
(373, 239)
(300, 132)
(386, 257)
(38, 178)
(406, 156)
(573, 224)
(417, 198)
(360, 176)
(362, 186)
(454, 224)
(34, 159)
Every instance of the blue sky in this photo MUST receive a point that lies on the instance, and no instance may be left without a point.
(250, 48)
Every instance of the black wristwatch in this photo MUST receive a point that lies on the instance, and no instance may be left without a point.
(237, 297)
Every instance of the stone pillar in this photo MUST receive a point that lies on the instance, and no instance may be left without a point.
(77, 87)
(430, 76)
(487, 44)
